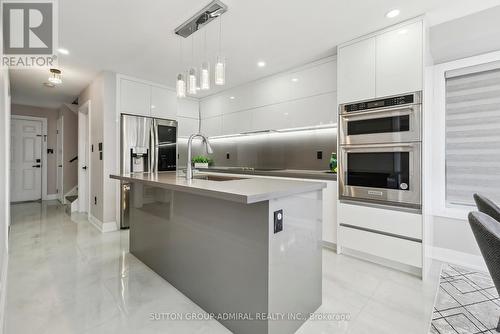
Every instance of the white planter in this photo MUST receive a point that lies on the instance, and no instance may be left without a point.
(201, 165)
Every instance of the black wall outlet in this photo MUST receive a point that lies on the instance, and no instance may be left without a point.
(100, 146)
(227, 155)
(100, 155)
(95, 200)
(92, 148)
(278, 221)
(319, 155)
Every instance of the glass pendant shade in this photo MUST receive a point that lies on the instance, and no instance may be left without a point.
(192, 82)
(55, 76)
(220, 71)
(205, 76)
(181, 86)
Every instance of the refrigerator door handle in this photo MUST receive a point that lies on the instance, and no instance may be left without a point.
(154, 146)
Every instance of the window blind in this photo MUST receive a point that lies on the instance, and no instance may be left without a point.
(473, 136)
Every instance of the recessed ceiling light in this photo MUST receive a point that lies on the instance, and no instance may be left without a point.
(231, 97)
(403, 31)
(295, 79)
(63, 51)
(392, 13)
(261, 63)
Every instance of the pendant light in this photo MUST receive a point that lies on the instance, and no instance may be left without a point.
(220, 64)
(192, 80)
(180, 85)
(205, 69)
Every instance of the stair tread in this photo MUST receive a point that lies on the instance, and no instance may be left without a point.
(71, 198)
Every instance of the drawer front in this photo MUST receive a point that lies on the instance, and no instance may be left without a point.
(389, 221)
(391, 248)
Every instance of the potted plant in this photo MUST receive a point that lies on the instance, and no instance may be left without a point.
(201, 161)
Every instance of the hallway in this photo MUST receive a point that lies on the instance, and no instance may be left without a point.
(66, 277)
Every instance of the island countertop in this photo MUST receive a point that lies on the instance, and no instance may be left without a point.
(245, 190)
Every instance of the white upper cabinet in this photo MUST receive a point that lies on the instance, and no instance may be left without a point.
(186, 126)
(302, 97)
(211, 126)
(356, 71)
(400, 60)
(187, 108)
(237, 122)
(163, 103)
(135, 98)
(387, 63)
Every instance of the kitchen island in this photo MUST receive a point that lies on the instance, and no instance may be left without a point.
(246, 250)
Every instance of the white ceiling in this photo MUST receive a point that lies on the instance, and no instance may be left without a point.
(136, 37)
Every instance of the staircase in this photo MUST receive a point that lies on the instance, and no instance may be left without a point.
(72, 204)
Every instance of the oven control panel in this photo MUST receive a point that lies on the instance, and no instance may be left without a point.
(382, 103)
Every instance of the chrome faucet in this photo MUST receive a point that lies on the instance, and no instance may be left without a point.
(208, 148)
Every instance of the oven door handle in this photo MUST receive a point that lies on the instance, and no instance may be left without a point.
(375, 113)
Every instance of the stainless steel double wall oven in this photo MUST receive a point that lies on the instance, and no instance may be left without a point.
(380, 150)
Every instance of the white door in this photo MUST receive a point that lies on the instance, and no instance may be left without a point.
(26, 160)
(59, 151)
(83, 161)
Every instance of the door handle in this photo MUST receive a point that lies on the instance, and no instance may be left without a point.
(36, 166)
(84, 167)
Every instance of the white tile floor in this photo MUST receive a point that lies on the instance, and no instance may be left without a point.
(66, 277)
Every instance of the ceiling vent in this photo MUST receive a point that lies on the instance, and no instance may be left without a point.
(203, 17)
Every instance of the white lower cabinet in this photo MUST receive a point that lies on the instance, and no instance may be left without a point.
(388, 234)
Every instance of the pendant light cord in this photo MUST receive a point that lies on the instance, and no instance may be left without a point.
(220, 34)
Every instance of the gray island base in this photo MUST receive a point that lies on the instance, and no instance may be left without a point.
(222, 251)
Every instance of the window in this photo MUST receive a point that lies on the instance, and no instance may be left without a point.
(472, 133)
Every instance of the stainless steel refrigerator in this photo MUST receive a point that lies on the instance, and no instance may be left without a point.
(148, 145)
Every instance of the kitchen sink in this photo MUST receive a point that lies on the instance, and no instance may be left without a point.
(217, 178)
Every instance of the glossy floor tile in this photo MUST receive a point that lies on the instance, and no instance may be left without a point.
(66, 277)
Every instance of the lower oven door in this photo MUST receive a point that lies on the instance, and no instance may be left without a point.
(388, 173)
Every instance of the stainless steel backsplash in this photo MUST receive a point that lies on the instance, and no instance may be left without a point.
(279, 150)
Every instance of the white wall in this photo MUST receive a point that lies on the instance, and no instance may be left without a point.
(304, 96)
(70, 148)
(452, 238)
(466, 36)
(4, 183)
(101, 93)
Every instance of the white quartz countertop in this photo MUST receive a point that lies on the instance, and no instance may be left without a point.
(246, 190)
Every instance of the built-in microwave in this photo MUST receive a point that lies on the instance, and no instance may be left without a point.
(388, 120)
(388, 173)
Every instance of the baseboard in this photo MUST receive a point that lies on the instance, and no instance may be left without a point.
(330, 245)
(409, 269)
(103, 227)
(50, 197)
(3, 288)
(459, 258)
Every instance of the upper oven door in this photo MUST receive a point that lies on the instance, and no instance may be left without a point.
(387, 173)
(386, 125)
